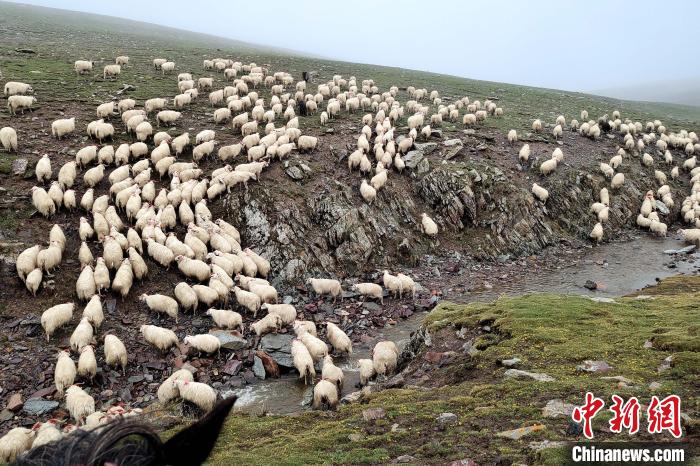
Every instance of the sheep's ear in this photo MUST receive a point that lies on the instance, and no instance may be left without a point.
(193, 444)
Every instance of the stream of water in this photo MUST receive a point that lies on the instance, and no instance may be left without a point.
(621, 268)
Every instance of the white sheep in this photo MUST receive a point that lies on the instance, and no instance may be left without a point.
(33, 281)
(15, 442)
(79, 403)
(617, 181)
(339, 340)
(186, 296)
(8, 138)
(55, 317)
(597, 232)
(111, 71)
(161, 303)
(541, 193)
(524, 153)
(226, 319)
(168, 390)
(204, 343)
(325, 395)
(367, 371)
(428, 226)
(287, 312)
(60, 128)
(87, 364)
(161, 338)
(384, 357)
(371, 290)
(64, 373)
(15, 88)
(200, 394)
(548, 166)
(317, 348)
(19, 102)
(323, 286)
(85, 284)
(269, 323)
(123, 279)
(115, 352)
(303, 361)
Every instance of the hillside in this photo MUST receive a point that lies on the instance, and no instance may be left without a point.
(306, 215)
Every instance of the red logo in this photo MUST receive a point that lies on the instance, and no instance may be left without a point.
(587, 412)
(665, 415)
(626, 415)
(662, 415)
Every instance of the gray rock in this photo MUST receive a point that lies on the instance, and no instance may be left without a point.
(518, 374)
(426, 148)
(37, 406)
(423, 167)
(512, 362)
(352, 397)
(6, 415)
(229, 341)
(594, 366)
(685, 250)
(413, 158)
(19, 166)
(654, 386)
(287, 299)
(452, 142)
(404, 459)
(258, 225)
(517, 434)
(295, 173)
(258, 368)
(305, 167)
(279, 347)
(556, 408)
(661, 207)
(446, 419)
(371, 306)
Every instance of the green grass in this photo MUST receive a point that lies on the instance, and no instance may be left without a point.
(100, 38)
(550, 333)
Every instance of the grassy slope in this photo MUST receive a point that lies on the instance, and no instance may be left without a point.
(550, 333)
(62, 37)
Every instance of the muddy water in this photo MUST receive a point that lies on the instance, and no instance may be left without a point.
(619, 268)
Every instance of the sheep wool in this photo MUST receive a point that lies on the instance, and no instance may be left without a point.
(115, 352)
(339, 340)
(269, 323)
(303, 361)
(370, 290)
(15, 442)
(325, 395)
(224, 318)
(8, 139)
(26, 261)
(384, 357)
(597, 232)
(64, 373)
(81, 336)
(287, 312)
(541, 193)
(366, 367)
(56, 317)
(248, 300)
(161, 338)
(85, 286)
(204, 343)
(317, 348)
(428, 226)
(87, 364)
(323, 286)
(200, 394)
(79, 403)
(168, 390)
(161, 304)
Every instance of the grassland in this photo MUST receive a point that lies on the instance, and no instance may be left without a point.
(60, 37)
(551, 334)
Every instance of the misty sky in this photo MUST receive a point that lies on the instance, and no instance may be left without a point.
(572, 45)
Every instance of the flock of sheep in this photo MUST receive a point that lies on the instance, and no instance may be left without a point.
(637, 139)
(135, 216)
